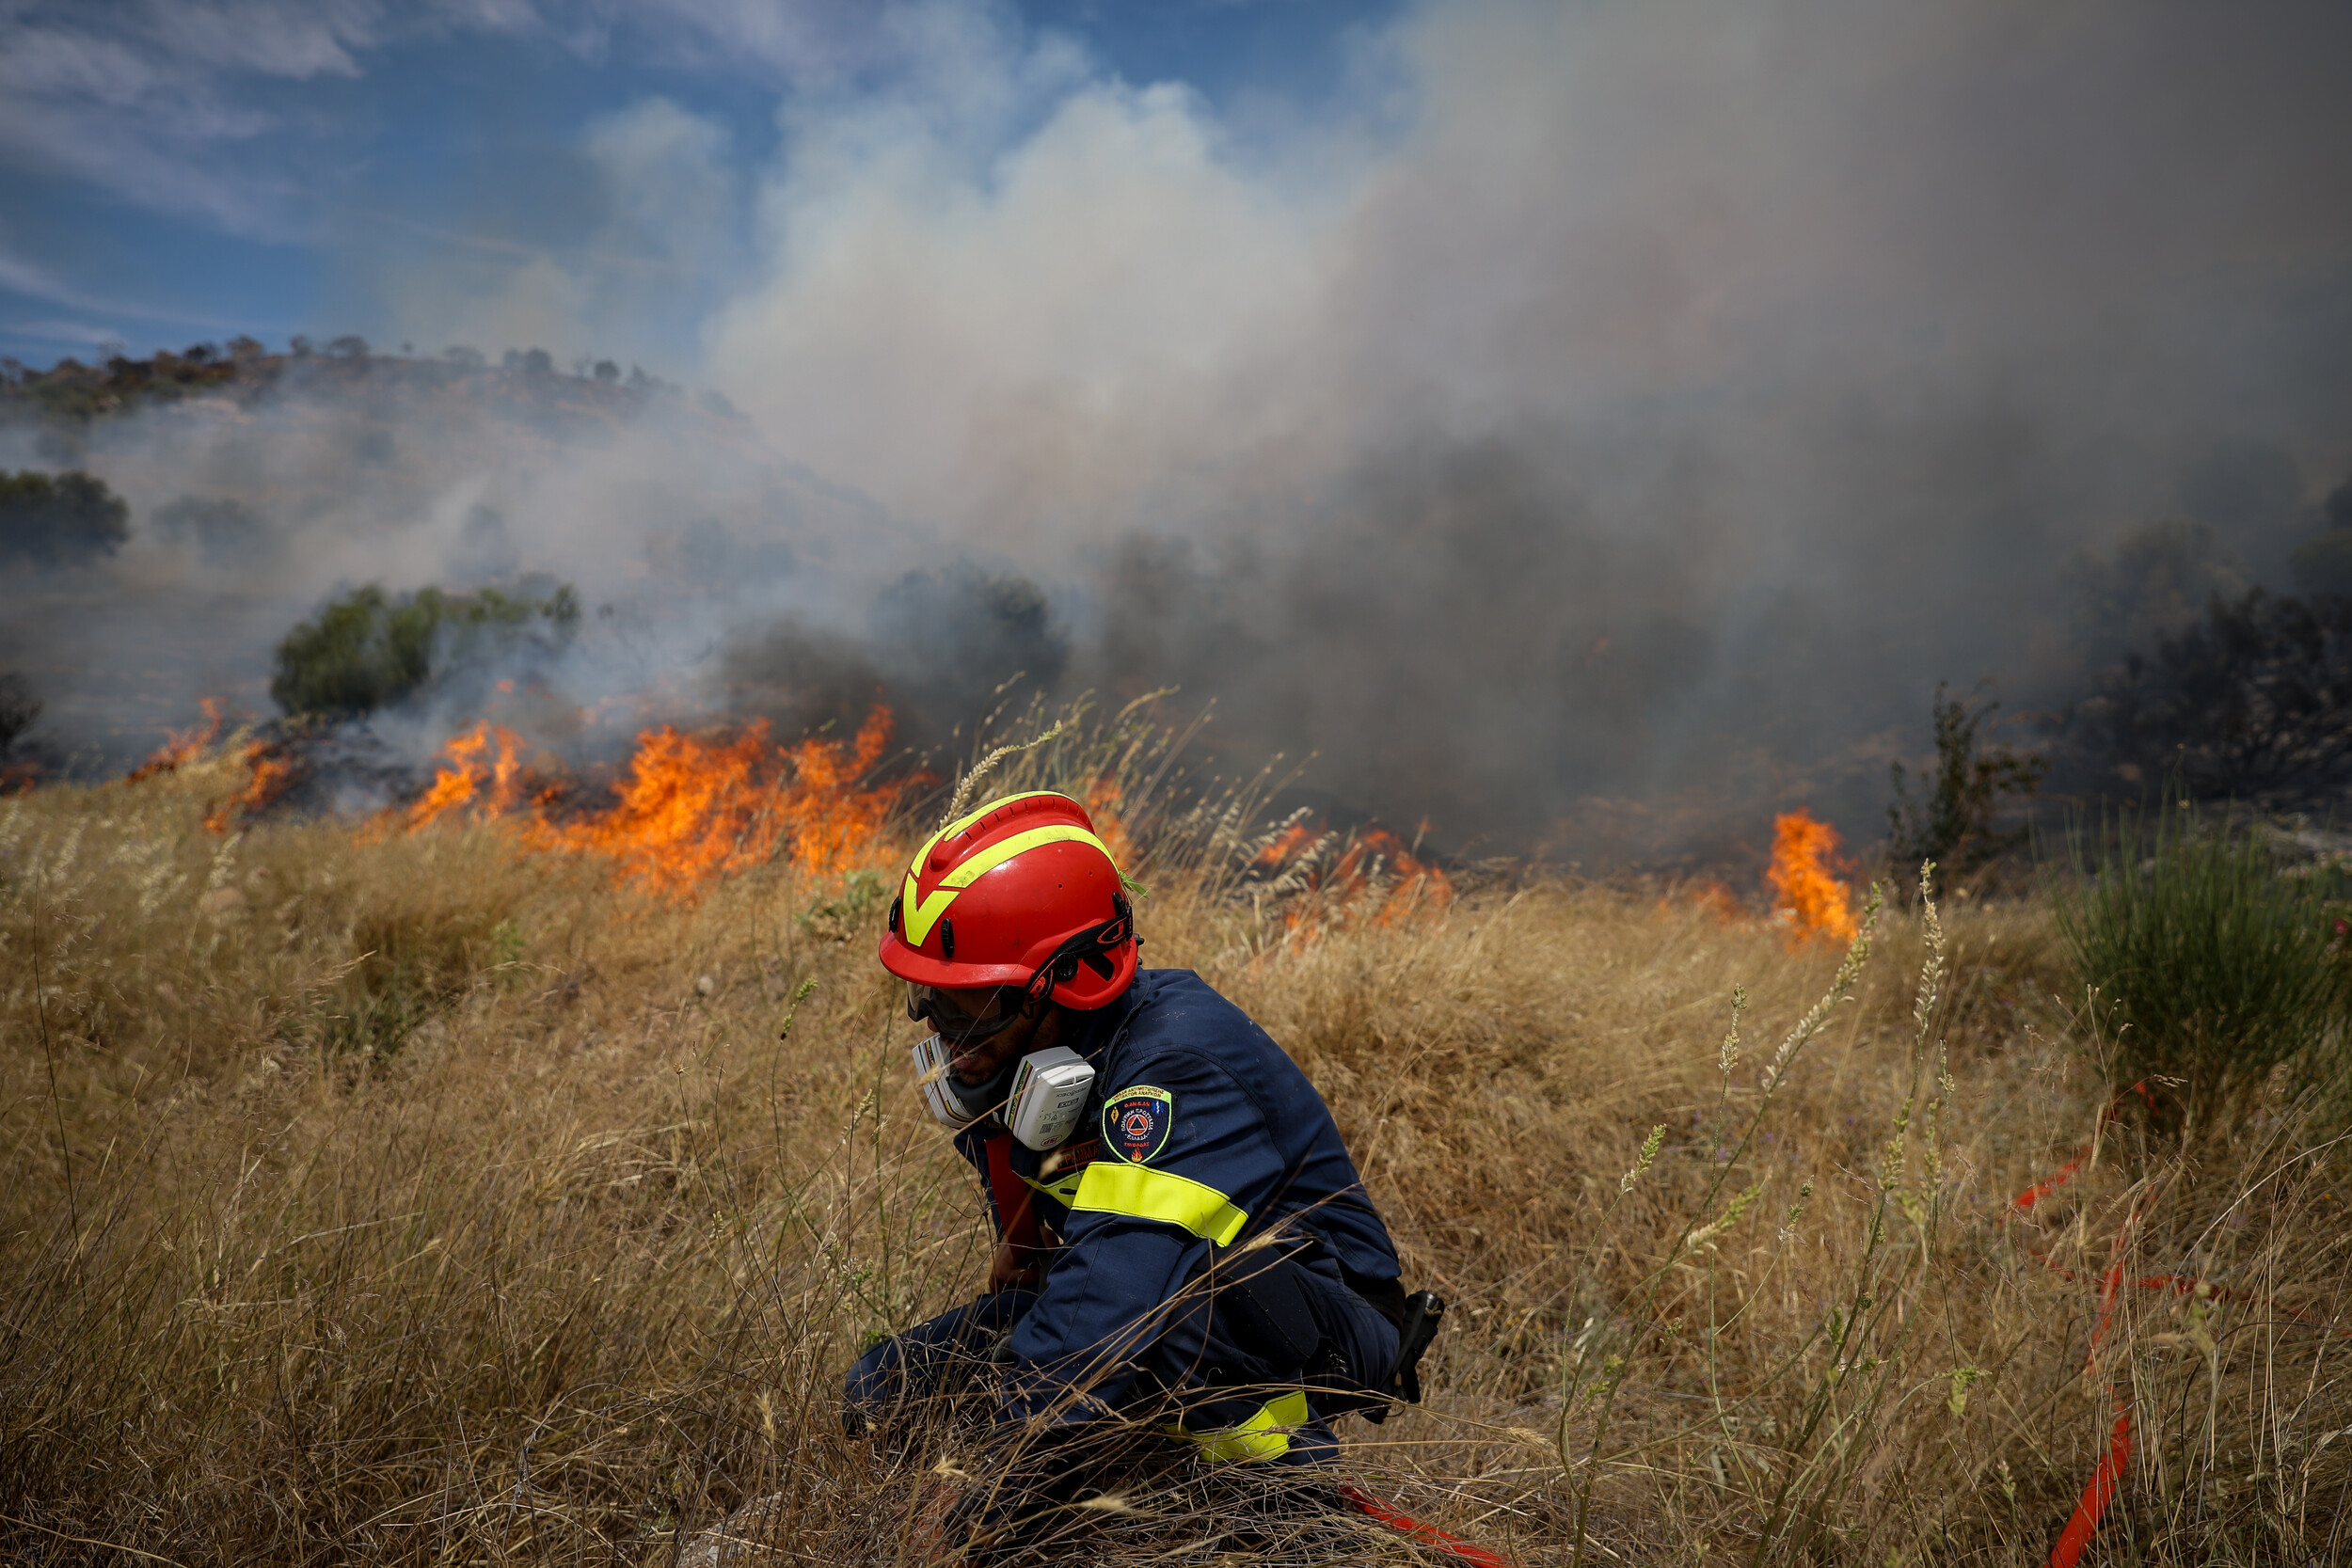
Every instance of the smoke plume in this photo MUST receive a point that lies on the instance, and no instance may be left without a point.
(1626, 400)
(1599, 425)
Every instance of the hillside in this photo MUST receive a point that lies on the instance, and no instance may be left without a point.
(256, 487)
(523, 387)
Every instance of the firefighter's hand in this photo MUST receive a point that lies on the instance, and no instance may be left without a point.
(1008, 1269)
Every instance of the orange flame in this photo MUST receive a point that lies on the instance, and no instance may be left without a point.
(269, 774)
(1802, 879)
(472, 777)
(1290, 842)
(1102, 802)
(691, 806)
(1372, 857)
(180, 745)
(1716, 899)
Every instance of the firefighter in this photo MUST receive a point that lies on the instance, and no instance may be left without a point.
(1184, 1246)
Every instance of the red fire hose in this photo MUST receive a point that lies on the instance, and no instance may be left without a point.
(1428, 1535)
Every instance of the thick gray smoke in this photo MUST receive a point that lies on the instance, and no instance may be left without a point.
(1604, 428)
(1633, 398)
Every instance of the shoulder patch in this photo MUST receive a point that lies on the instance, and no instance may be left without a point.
(1137, 1122)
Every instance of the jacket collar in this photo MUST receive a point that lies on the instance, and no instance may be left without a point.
(1096, 1032)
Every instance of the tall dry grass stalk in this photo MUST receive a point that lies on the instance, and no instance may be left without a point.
(417, 1199)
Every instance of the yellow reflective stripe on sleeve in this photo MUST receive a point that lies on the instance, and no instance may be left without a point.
(1115, 1187)
(1264, 1435)
(1063, 1191)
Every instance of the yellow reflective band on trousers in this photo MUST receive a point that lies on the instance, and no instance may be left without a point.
(1139, 1191)
(1263, 1436)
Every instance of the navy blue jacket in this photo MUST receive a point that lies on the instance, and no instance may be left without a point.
(1204, 1134)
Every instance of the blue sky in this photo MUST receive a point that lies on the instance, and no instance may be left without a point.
(186, 169)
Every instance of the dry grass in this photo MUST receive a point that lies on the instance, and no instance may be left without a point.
(417, 1200)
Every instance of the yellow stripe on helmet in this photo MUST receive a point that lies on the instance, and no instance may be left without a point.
(915, 866)
(920, 914)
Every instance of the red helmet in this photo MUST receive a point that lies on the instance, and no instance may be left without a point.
(1021, 892)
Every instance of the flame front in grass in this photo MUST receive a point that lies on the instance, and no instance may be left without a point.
(1716, 899)
(1410, 880)
(181, 746)
(1804, 884)
(695, 806)
(691, 806)
(1287, 846)
(473, 775)
(270, 770)
(1372, 861)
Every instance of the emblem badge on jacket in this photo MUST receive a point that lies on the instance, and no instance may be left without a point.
(1137, 1122)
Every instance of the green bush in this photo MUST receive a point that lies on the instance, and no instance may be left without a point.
(2213, 964)
(369, 648)
(1954, 820)
(68, 519)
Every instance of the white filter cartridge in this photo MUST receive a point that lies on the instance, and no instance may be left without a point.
(931, 1072)
(1052, 1092)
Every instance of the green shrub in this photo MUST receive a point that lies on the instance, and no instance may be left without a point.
(2213, 964)
(68, 519)
(369, 648)
(1954, 820)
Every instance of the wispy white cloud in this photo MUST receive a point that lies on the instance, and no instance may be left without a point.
(178, 105)
(160, 103)
(69, 332)
(797, 45)
(668, 190)
(292, 38)
(141, 104)
(20, 276)
(488, 16)
(669, 173)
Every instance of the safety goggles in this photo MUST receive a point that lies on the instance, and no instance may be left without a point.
(1092, 946)
(953, 1023)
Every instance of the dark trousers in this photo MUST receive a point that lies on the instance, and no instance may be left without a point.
(1219, 1386)
(932, 1363)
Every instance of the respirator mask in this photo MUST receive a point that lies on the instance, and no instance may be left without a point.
(1040, 1098)
(1049, 1091)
